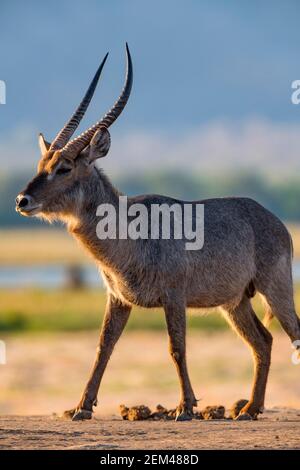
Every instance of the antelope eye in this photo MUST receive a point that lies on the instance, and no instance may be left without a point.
(63, 171)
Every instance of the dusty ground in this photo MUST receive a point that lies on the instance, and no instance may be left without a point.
(46, 373)
(277, 429)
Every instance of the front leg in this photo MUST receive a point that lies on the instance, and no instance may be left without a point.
(115, 319)
(176, 323)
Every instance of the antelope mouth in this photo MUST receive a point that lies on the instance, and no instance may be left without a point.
(30, 211)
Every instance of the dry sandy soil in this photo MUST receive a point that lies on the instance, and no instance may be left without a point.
(46, 373)
(277, 429)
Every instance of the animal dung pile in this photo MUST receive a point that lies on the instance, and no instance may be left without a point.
(136, 413)
(213, 412)
(142, 412)
(236, 408)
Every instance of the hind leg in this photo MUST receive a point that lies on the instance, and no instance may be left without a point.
(252, 331)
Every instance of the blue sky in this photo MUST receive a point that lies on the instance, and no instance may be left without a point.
(196, 64)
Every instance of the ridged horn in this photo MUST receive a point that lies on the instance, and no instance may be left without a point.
(69, 128)
(79, 143)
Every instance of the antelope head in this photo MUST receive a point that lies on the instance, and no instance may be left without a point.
(66, 165)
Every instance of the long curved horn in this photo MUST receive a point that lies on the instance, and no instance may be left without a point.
(69, 128)
(77, 145)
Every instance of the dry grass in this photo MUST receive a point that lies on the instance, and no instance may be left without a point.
(295, 232)
(39, 246)
(42, 246)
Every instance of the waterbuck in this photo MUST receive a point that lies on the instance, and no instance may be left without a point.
(246, 250)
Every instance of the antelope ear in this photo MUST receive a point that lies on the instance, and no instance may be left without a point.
(44, 145)
(100, 144)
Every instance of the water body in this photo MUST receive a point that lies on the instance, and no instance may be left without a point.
(45, 276)
(53, 276)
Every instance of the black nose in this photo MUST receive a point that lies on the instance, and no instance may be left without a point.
(23, 202)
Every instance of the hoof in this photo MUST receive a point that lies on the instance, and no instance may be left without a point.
(244, 417)
(184, 416)
(81, 415)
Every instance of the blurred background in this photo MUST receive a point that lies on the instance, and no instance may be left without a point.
(210, 115)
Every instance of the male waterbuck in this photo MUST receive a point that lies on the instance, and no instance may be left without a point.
(246, 250)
